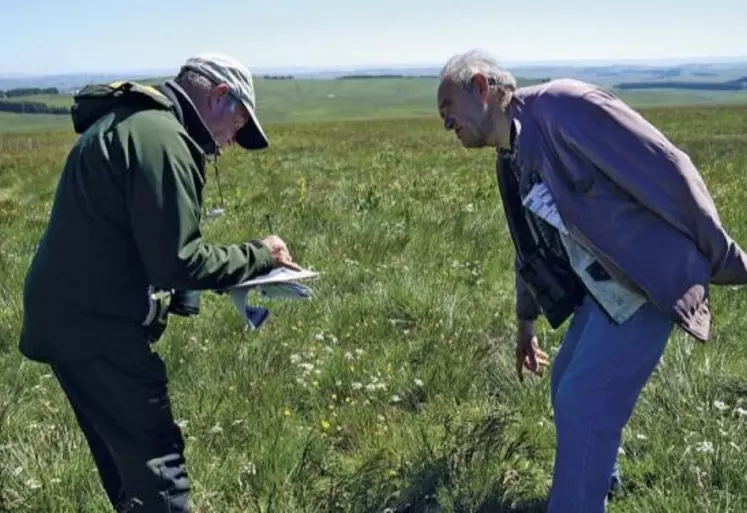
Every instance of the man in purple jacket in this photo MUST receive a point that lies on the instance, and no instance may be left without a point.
(613, 201)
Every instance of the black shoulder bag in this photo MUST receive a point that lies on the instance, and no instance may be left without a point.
(550, 279)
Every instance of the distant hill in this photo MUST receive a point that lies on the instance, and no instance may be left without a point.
(739, 84)
(72, 81)
(605, 75)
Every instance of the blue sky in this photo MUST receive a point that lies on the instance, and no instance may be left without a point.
(50, 36)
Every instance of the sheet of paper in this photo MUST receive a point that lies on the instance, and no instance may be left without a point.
(542, 204)
(256, 315)
(278, 275)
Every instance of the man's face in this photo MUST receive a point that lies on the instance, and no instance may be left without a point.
(465, 110)
(224, 115)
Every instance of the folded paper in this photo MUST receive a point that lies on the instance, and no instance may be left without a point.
(274, 285)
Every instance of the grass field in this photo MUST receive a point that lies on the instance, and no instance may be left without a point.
(296, 101)
(394, 389)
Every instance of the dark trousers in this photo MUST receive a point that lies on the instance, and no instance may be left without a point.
(121, 402)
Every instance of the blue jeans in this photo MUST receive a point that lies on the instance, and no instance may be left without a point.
(597, 377)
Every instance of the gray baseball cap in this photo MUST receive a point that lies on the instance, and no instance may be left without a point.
(221, 68)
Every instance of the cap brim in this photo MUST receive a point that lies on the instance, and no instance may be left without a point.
(251, 136)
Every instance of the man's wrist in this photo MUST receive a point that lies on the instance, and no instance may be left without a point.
(526, 326)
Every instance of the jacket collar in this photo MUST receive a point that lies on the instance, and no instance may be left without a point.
(189, 117)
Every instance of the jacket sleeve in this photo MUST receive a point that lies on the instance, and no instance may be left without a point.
(527, 308)
(639, 159)
(165, 202)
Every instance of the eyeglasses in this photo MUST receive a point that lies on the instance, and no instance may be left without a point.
(243, 119)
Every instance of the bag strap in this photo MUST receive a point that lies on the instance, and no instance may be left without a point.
(508, 186)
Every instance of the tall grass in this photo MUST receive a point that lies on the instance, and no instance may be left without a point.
(393, 390)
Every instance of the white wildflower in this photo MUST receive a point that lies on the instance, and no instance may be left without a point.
(250, 468)
(307, 367)
(704, 447)
(33, 484)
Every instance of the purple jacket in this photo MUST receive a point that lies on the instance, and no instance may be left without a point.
(629, 195)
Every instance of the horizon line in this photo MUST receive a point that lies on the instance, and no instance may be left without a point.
(536, 63)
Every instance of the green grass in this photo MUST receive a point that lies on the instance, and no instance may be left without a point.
(395, 386)
(11, 122)
(55, 100)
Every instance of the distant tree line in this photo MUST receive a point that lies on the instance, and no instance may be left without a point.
(30, 107)
(278, 77)
(353, 77)
(521, 81)
(525, 82)
(28, 91)
(739, 84)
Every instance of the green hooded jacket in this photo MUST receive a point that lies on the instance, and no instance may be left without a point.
(125, 221)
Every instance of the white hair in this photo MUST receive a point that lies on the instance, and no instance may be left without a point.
(196, 85)
(193, 80)
(462, 67)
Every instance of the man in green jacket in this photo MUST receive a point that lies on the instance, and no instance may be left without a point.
(122, 245)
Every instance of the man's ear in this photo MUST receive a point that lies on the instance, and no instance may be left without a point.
(480, 83)
(218, 94)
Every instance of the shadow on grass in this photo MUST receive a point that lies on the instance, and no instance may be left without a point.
(421, 498)
(538, 505)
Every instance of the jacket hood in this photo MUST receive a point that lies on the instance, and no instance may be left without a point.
(94, 101)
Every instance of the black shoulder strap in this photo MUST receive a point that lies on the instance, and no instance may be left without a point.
(518, 225)
(513, 209)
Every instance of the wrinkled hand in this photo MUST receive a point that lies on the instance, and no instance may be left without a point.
(279, 252)
(528, 354)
